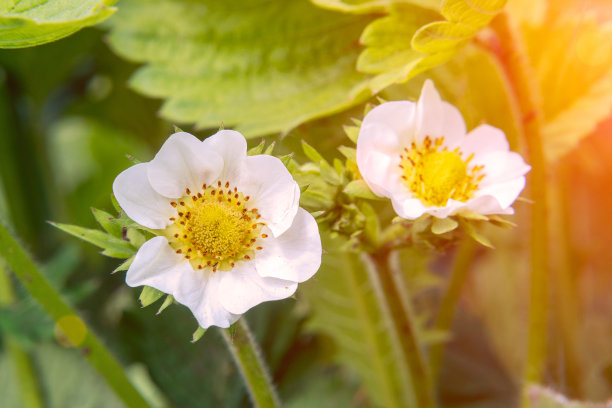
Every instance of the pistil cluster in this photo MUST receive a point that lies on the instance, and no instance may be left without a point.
(435, 174)
(215, 227)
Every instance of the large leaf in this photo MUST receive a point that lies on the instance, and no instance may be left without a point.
(345, 307)
(261, 66)
(25, 23)
(369, 6)
(395, 58)
(572, 58)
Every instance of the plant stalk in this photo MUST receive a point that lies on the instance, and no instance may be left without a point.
(459, 274)
(247, 356)
(521, 75)
(88, 343)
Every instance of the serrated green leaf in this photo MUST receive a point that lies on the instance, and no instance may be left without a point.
(369, 6)
(149, 295)
(106, 221)
(443, 225)
(345, 308)
(442, 36)
(26, 23)
(359, 188)
(239, 62)
(112, 246)
(433, 42)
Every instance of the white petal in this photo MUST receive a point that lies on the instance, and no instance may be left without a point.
(485, 205)
(398, 116)
(295, 255)
(451, 207)
(232, 147)
(453, 126)
(138, 199)
(485, 139)
(409, 208)
(500, 167)
(272, 190)
(199, 291)
(378, 151)
(505, 193)
(429, 113)
(183, 162)
(242, 288)
(157, 265)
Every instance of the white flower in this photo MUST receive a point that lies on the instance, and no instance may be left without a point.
(231, 233)
(421, 157)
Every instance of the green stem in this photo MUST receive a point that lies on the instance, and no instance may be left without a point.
(247, 356)
(89, 344)
(24, 372)
(398, 302)
(461, 269)
(523, 79)
(567, 296)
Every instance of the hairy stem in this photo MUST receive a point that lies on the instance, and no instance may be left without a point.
(399, 304)
(522, 77)
(247, 356)
(88, 343)
(461, 269)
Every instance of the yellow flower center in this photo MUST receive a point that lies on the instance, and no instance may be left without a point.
(214, 228)
(434, 174)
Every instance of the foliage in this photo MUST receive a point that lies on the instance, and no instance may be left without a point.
(26, 23)
(257, 72)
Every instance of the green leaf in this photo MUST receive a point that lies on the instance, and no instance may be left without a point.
(259, 66)
(26, 23)
(149, 295)
(344, 307)
(369, 6)
(112, 246)
(395, 59)
(443, 225)
(359, 188)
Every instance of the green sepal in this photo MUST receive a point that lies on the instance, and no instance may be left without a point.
(348, 152)
(359, 188)
(112, 246)
(286, 159)
(177, 129)
(149, 295)
(124, 265)
(470, 229)
(501, 222)
(270, 148)
(352, 132)
(372, 224)
(443, 225)
(167, 302)
(254, 151)
(197, 335)
(116, 205)
(329, 174)
(312, 153)
(135, 237)
(107, 221)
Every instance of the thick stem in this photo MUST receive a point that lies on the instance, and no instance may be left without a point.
(247, 356)
(459, 274)
(520, 73)
(87, 342)
(24, 372)
(399, 304)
